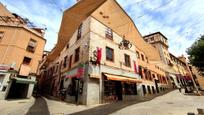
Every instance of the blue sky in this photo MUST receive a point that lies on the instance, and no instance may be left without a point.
(179, 20)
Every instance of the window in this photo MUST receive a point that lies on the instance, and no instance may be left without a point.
(60, 66)
(70, 61)
(1, 81)
(147, 59)
(57, 67)
(31, 45)
(153, 76)
(149, 75)
(65, 62)
(149, 90)
(1, 35)
(109, 33)
(77, 55)
(79, 32)
(67, 46)
(138, 54)
(109, 54)
(130, 88)
(71, 90)
(142, 57)
(144, 89)
(145, 73)
(153, 90)
(127, 60)
(140, 71)
(152, 39)
(158, 76)
(26, 60)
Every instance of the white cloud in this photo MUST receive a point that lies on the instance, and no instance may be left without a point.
(179, 20)
(44, 13)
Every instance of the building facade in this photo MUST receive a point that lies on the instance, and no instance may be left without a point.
(21, 49)
(99, 65)
(176, 68)
(198, 78)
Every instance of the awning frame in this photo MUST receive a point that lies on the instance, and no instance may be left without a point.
(23, 80)
(121, 78)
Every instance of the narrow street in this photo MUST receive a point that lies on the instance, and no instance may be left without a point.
(173, 103)
(39, 107)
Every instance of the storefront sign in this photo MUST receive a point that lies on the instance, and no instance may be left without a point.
(5, 67)
(188, 78)
(77, 72)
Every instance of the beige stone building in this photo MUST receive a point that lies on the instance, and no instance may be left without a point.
(101, 57)
(176, 68)
(21, 50)
(199, 79)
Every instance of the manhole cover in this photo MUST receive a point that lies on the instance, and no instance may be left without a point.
(22, 102)
(170, 103)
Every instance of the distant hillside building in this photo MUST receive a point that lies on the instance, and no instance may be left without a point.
(21, 50)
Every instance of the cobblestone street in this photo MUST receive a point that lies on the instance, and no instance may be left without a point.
(173, 103)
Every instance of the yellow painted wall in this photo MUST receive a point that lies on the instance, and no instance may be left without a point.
(13, 47)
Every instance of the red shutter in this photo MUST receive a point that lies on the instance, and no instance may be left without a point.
(99, 55)
(135, 67)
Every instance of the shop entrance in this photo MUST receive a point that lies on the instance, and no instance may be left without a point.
(119, 93)
(112, 90)
(18, 90)
(75, 89)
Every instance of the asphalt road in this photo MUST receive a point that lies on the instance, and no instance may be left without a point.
(40, 107)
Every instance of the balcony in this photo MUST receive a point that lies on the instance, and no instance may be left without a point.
(170, 63)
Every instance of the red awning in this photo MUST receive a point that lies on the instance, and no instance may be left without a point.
(188, 78)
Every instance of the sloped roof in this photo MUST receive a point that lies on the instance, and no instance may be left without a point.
(115, 18)
(154, 34)
(4, 11)
(71, 20)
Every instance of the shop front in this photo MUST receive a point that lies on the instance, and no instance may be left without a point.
(189, 83)
(118, 88)
(72, 85)
(21, 87)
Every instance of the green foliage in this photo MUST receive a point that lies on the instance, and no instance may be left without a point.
(196, 54)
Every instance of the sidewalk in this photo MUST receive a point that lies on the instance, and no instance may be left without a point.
(60, 108)
(173, 103)
(15, 107)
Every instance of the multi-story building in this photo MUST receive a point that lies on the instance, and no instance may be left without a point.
(21, 49)
(101, 56)
(176, 67)
(198, 77)
(159, 41)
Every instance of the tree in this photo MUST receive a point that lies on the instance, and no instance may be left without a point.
(196, 54)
